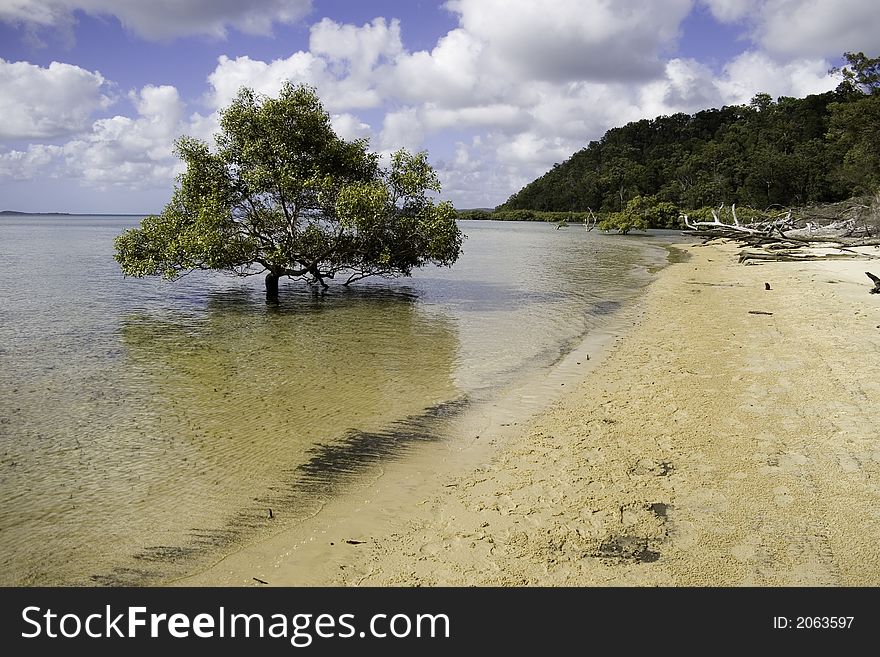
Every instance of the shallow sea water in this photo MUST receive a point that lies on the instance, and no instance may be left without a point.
(147, 427)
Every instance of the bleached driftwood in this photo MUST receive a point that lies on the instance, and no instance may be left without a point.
(780, 233)
(793, 256)
(593, 221)
(736, 230)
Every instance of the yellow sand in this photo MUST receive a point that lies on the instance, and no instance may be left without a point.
(710, 447)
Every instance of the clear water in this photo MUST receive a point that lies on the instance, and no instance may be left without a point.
(146, 426)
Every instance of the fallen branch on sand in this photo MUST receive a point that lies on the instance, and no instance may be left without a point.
(778, 238)
(745, 255)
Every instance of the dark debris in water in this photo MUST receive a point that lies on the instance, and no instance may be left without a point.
(336, 463)
(164, 553)
(123, 577)
(604, 307)
(330, 468)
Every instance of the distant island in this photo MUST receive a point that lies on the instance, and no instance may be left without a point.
(8, 213)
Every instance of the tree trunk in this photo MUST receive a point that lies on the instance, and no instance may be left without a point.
(272, 287)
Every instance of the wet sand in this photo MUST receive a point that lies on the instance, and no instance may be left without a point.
(728, 437)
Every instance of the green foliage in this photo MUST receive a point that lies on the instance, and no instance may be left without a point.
(475, 214)
(633, 217)
(854, 128)
(654, 213)
(623, 222)
(283, 194)
(526, 215)
(791, 151)
(744, 214)
(862, 74)
(650, 213)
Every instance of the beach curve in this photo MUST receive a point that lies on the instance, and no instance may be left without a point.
(726, 439)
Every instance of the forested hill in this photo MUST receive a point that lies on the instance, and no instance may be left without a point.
(793, 151)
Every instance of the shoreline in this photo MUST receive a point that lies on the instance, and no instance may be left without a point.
(726, 438)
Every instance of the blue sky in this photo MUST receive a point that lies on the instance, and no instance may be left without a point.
(93, 92)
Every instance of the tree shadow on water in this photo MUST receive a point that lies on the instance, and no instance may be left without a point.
(280, 407)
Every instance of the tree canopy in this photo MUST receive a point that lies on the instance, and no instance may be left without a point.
(282, 194)
(862, 73)
(791, 151)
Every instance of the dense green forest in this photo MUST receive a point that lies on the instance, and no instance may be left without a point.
(787, 152)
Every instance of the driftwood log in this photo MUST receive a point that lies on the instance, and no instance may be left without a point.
(779, 238)
(747, 255)
(781, 232)
(591, 224)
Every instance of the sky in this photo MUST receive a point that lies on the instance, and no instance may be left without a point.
(93, 93)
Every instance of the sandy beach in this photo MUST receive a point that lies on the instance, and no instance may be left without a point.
(728, 437)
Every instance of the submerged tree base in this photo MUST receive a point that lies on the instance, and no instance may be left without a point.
(272, 288)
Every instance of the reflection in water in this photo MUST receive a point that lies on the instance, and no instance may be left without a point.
(290, 376)
(221, 410)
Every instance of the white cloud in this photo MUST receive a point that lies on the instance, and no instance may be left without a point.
(342, 64)
(537, 84)
(403, 128)
(162, 19)
(728, 11)
(466, 178)
(753, 72)
(41, 12)
(576, 39)
(498, 99)
(688, 86)
(348, 126)
(359, 48)
(452, 74)
(302, 67)
(25, 165)
(117, 151)
(203, 127)
(131, 152)
(48, 102)
(263, 77)
(580, 110)
(532, 148)
(819, 27)
(805, 28)
(497, 115)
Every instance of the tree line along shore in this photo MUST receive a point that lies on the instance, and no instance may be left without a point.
(764, 157)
